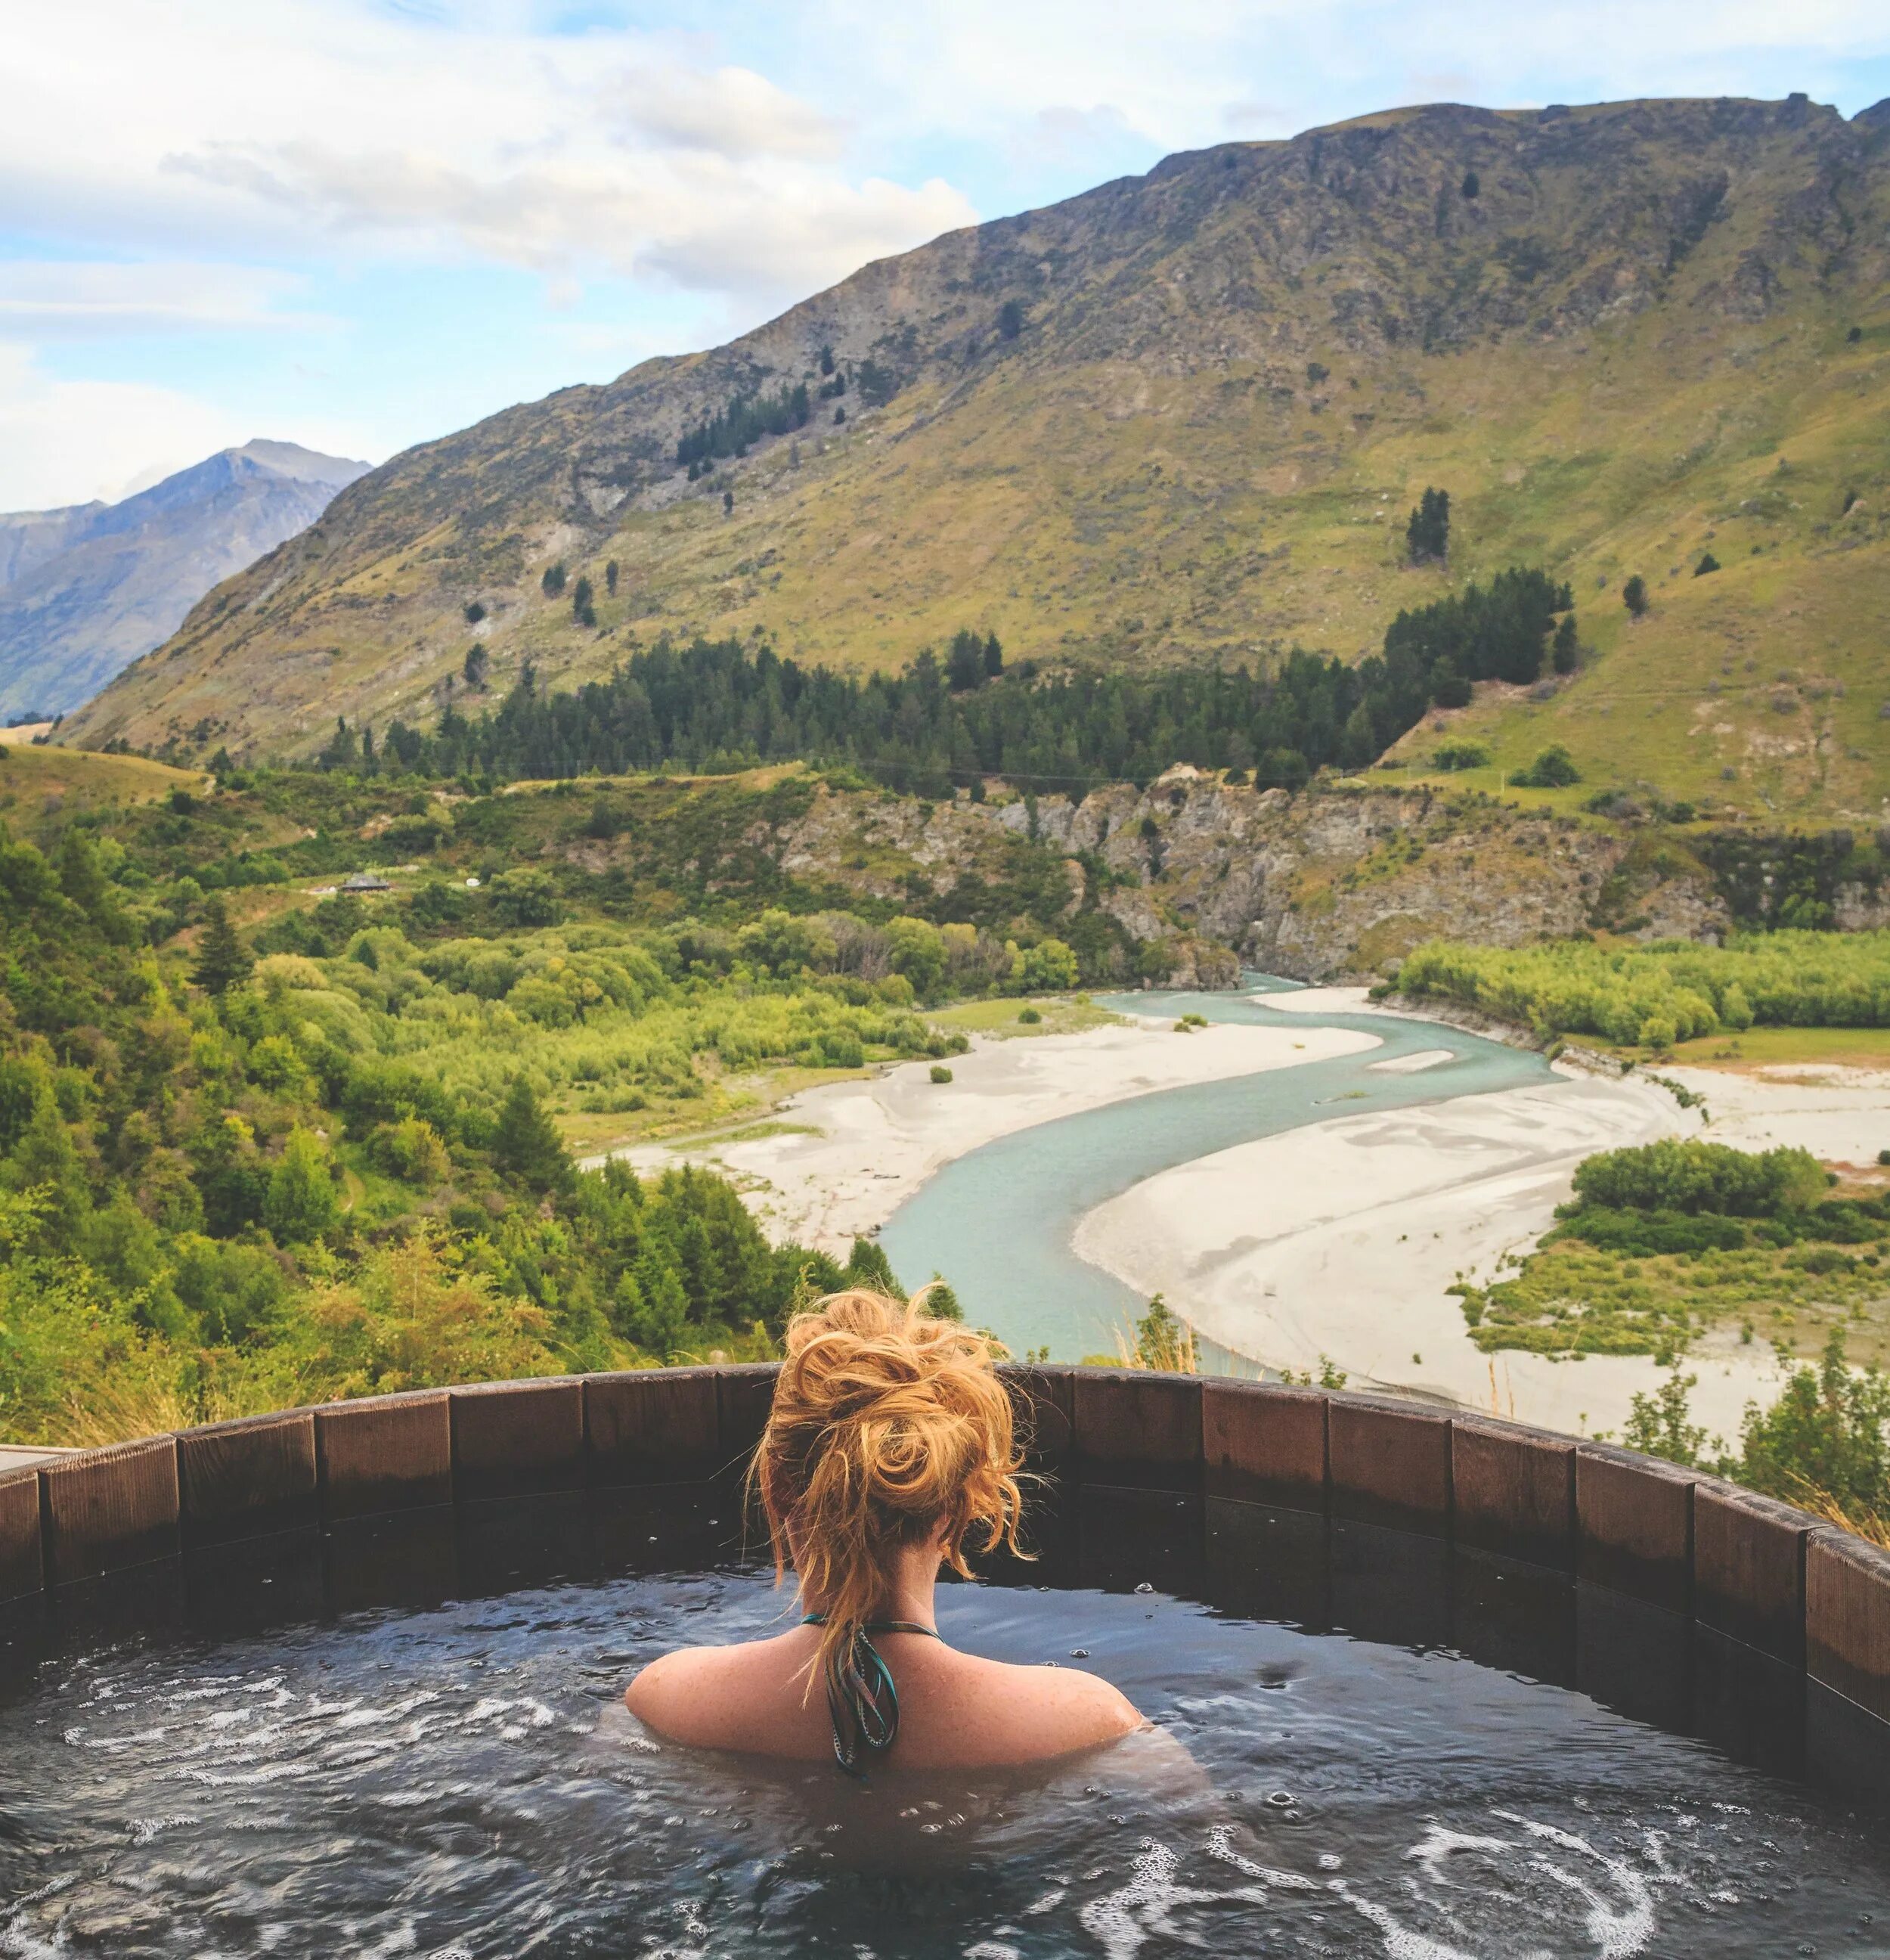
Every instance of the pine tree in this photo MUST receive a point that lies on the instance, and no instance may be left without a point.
(1564, 652)
(654, 1304)
(343, 750)
(964, 667)
(610, 578)
(1357, 746)
(526, 1145)
(583, 610)
(1427, 532)
(993, 657)
(477, 662)
(728, 502)
(869, 1266)
(223, 960)
(47, 1160)
(553, 582)
(1633, 595)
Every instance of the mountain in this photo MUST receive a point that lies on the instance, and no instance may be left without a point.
(1182, 417)
(86, 589)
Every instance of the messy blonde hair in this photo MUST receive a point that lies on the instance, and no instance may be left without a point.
(888, 1425)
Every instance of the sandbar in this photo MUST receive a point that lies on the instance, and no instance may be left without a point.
(1337, 1241)
(866, 1146)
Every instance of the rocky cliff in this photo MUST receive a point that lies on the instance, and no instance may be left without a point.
(1207, 876)
(1316, 885)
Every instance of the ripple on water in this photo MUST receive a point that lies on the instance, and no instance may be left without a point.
(464, 1782)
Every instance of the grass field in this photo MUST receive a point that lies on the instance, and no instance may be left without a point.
(1061, 1015)
(1773, 1048)
(1609, 1302)
(29, 775)
(730, 1108)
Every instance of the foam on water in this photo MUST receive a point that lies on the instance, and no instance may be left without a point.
(463, 1785)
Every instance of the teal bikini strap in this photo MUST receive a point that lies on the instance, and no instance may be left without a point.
(861, 1697)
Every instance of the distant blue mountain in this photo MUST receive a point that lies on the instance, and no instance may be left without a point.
(85, 590)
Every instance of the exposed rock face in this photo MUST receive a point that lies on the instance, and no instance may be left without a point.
(1311, 886)
(85, 590)
(1320, 885)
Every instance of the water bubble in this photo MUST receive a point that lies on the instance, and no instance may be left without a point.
(1079, 1653)
(1144, 1587)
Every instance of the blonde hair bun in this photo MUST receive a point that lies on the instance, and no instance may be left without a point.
(889, 1427)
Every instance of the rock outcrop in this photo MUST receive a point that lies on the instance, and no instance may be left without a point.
(1327, 883)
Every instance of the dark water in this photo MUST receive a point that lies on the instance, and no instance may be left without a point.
(998, 1222)
(461, 1781)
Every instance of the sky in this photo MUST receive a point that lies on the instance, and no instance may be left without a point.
(359, 224)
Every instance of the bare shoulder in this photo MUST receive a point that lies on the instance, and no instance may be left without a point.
(1087, 1701)
(749, 1696)
(669, 1675)
(1057, 1711)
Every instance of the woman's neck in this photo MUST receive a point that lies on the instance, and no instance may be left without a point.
(909, 1592)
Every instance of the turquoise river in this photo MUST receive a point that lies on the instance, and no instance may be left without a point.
(998, 1222)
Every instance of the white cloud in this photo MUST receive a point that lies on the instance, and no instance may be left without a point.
(65, 441)
(281, 130)
(732, 111)
(700, 219)
(69, 299)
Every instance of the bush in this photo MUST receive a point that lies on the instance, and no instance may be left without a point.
(1553, 769)
(1690, 1176)
(1822, 1443)
(940, 1073)
(1788, 978)
(1030, 1018)
(1455, 755)
(411, 1149)
(302, 1202)
(1049, 966)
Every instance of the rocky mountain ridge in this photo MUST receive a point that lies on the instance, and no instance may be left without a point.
(1181, 417)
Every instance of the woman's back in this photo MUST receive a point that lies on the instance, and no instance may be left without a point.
(889, 1445)
(956, 1711)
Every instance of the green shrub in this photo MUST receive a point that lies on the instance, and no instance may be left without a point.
(1029, 1016)
(1690, 1176)
(940, 1073)
(1553, 769)
(1456, 755)
(302, 1202)
(1785, 979)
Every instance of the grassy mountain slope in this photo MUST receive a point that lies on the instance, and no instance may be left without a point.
(1228, 382)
